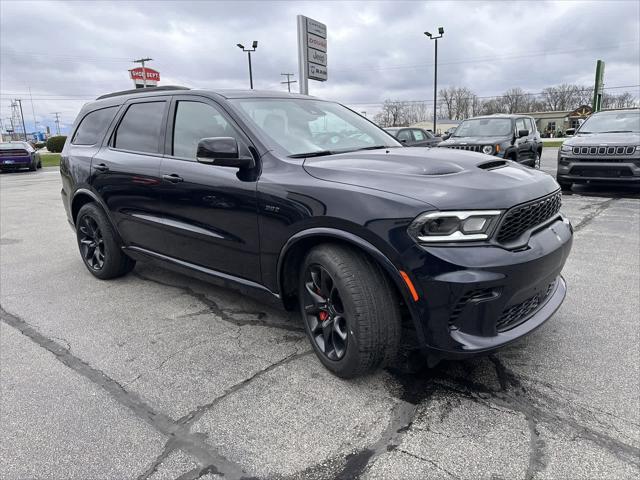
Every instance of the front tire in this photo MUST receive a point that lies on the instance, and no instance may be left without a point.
(99, 245)
(350, 310)
(564, 186)
(537, 160)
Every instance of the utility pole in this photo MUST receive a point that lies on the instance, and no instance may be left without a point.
(254, 45)
(435, 76)
(144, 72)
(33, 112)
(24, 129)
(288, 81)
(57, 122)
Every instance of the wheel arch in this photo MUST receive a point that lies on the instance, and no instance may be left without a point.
(81, 197)
(294, 251)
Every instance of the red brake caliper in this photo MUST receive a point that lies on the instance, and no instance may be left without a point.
(323, 316)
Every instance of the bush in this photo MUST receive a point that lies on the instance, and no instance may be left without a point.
(39, 145)
(55, 144)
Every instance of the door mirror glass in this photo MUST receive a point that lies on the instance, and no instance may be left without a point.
(224, 152)
(570, 132)
(523, 133)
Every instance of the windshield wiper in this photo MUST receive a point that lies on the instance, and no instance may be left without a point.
(317, 153)
(618, 131)
(375, 147)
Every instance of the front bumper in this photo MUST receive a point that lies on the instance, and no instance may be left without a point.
(605, 169)
(475, 299)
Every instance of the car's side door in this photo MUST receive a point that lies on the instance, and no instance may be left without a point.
(210, 211)
(421, 138)
(125, 172)
(404, 136)
(523, 144)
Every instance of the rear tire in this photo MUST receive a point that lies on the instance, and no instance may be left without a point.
(33, 167)
(99, 245)
(350, 310)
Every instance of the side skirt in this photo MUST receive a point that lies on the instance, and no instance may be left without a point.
(247, 287)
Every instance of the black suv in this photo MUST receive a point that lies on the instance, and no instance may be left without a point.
(307, 203)
(513, 137)
(606, 148)
(414, 137)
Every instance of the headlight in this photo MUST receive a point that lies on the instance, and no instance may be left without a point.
(566, 148)
(454, 226)
(488, 149)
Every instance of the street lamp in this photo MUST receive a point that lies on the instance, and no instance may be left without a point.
(254, 45)
(435, 75)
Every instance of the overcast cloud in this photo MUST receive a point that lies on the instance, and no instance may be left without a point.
(69, 52)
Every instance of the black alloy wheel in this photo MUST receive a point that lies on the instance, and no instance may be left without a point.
(536, 160)
(100, 245)
(91, 243)
(324, 313)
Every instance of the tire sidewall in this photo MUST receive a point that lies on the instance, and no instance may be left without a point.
(348, 364)
(111, 247)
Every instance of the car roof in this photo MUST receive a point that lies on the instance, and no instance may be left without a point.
(501, 115)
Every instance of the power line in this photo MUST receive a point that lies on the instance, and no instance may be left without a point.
(491, 96)
(481, 59)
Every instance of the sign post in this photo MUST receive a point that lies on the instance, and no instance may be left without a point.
(312, 52)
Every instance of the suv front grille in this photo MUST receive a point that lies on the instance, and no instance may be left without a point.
(524, 217)
(619, 150)
(515, 315)
(471, 148)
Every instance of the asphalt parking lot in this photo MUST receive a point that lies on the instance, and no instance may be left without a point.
(159, 376)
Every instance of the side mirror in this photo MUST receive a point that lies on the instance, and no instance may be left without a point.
(570, 132)
(224, 152)
(523, 133)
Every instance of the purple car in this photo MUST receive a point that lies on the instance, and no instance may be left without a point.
(17, 155)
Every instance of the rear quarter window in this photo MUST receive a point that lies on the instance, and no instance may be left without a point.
(93, 126)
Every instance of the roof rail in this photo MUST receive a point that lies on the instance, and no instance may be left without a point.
(143, 90)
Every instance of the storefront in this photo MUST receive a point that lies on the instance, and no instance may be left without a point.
(556, 123)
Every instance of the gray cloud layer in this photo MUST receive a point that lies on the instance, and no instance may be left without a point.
(69, 52)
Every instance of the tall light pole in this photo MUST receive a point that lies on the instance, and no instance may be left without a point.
(144, 72)
(435, 75)
(254, 45)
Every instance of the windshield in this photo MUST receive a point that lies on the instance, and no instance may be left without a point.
(484, 127)
(612, 122)
(13, 145)
(299, 126)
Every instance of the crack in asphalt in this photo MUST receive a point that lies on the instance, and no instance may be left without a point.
(431, 462)
(590, 217)
(197, 413)
(178, 434)
(225, 314)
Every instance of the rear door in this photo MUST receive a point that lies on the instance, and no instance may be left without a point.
(126, 172)
(405, 137)
(210, 211)
(421, 138)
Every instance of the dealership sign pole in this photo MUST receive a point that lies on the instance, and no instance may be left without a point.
(312, 52)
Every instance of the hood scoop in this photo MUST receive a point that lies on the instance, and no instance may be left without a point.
(491, 165)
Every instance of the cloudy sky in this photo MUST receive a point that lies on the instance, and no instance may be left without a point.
(66, 53)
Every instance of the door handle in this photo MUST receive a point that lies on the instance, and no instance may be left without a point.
(173, 178)
(101, 167)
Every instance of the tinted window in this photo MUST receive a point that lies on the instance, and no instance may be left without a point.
(404, 135)
(529, 124)
(93, 126)
(140, 128)
(484, 127)
(418, 136)
(195, 121)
